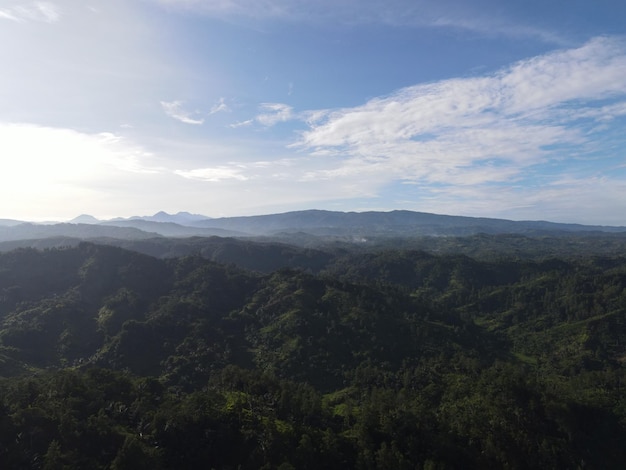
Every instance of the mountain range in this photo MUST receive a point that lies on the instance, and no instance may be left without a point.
(356, 226)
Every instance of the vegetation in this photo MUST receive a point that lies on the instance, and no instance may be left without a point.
(384, 359)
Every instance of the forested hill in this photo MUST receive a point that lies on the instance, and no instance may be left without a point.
(315, 254)
(387, 360)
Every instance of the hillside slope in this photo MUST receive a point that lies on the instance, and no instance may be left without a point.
(393, 359)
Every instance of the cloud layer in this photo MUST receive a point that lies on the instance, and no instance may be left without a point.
(482, 129)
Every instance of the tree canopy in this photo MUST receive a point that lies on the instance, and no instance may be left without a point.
(387, 359)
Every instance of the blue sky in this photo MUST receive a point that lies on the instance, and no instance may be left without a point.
(510, 109)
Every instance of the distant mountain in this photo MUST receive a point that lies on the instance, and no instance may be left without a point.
(394, 223)
(180, 218)
(50, 243)
(170, 229)
(26, 231)
(316, 225)
(84, 219)
(9, 222)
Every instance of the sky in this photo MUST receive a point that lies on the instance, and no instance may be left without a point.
(117, 108)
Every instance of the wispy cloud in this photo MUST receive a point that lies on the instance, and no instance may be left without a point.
(174, 109)
(247, 122)
(451, 14)
(490, 26)
(480, 129)
(273, 113)
(32, 11)
(216, 174)
(8, 15)
(219, 107)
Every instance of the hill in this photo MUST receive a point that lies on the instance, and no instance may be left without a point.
(27, 231)
(389, 359)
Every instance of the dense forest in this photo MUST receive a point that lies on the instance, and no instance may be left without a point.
(228, 356)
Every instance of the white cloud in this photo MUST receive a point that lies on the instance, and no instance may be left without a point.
(607, 113)
(245, 123)
(492, 26)
(594, 71)
(46, 12)
(7, 15)
(314, 117)
(213, 174)
(474, 129)
(273, 113)
(174, 109)
(220, 106)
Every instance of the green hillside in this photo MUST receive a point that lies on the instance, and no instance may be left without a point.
(387, 359)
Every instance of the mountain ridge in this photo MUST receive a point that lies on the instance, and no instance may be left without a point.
(315, 222)
(391, 221)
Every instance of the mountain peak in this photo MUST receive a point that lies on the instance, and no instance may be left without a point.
(84, 219)
(178, 218)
